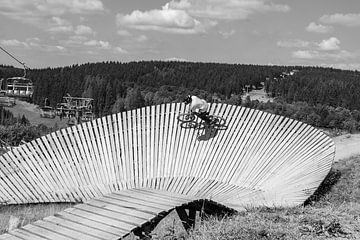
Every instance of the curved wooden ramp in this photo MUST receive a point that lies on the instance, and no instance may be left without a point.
(261, 159)
(109, 217)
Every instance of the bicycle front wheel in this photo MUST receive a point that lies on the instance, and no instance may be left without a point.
(186, 117)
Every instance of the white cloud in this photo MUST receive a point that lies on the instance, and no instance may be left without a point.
(141, 38)
(195, 16)
(123, 33)
(318, 28)
(175, 59)
(61, 29)
(297, 43)
(165, 20)
(305, 54)
(330, 44)
(227, 9)
(59, 25)
(14, 43)
(227, 34)
(83, 30)
(336, 56)
(60, 48)
(33, 11)
(33, 43)
(98, 43)
(75, 40)
(120, 50)
(47, 14)
(349, 19)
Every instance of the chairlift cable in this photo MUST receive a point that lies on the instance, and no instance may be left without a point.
(22, 63)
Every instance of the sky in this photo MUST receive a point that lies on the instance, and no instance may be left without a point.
(56, 33)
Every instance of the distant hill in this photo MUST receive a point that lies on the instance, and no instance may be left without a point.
(333, 87)
(119, 86)
(110, 83)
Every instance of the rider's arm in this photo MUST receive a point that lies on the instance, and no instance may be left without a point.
(189, 109)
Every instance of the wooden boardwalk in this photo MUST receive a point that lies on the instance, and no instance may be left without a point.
(260, 159)
(109, 217)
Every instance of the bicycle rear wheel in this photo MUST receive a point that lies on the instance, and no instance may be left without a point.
(187, 125)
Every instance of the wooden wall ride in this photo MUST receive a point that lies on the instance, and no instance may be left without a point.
(260, 159)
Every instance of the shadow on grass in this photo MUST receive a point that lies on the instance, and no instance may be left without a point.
(325, 187)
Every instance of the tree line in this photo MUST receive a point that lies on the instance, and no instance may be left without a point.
(326, 86)
(319, 115)
(109, 83)
(322, 97)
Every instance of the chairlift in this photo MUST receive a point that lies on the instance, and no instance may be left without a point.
(20, 87)
(76, 109)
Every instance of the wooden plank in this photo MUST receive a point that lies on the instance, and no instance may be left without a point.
(116, 207)
(78, 170)
(94, 153)
(105, 228)
(25, 234)
(101, 151)
(104, 211)
(57, 168)
(106, 121)
(16, 184)
(69, 161)
(85, 164)
(139, 159)
(234, 119)
(102, 144)
(106, 217)
(152, 199)
(134, 147)
(58, 184)
(110, 199)
(88, 156)
(171, 132)
(70, 229)
(123, 150)
(143, 148)
(147, 139)
(124, 134)
(7, 236)
(117, 150)
(160, 155)
(156, 143)
(44, 232)
(37, 175)
(27, 175)
(139, 201)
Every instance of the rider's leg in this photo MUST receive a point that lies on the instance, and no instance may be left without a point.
(204, 116)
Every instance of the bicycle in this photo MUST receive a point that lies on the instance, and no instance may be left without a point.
(190, 120)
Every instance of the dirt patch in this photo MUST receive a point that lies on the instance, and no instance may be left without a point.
(347, 145)
(259, 95)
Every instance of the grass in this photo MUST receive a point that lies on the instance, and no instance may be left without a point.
(333, 212)
(22, 214)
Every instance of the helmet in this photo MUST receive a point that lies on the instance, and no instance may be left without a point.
(187, 100)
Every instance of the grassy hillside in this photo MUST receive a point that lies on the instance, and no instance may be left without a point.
(332, 213)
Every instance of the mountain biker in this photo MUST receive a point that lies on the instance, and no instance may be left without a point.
(198, 107)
